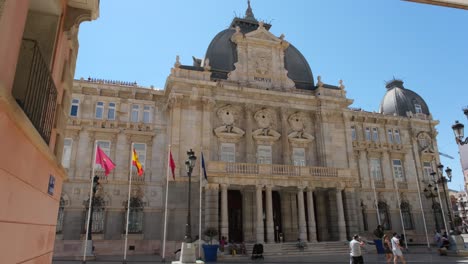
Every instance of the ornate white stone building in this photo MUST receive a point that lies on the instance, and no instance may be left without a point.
(284, 154)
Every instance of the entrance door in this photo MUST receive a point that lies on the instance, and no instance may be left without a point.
(277, 216)
(235, 216)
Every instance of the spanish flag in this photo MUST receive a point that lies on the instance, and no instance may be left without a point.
(137, 163)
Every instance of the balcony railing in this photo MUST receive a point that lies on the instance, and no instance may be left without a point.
(34, 89)
(272, 169)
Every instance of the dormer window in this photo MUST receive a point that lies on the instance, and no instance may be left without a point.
(417, 109)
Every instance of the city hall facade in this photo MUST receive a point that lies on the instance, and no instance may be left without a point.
(285, 154)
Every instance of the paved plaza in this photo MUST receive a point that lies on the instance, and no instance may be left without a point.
(430, 257)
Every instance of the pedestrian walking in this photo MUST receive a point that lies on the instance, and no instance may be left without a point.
(396, 250)
(388, 248)
(355, 248)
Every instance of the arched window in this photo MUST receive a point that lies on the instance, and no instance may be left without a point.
(135, 218)
(384, 216)
(60, 215)
(406, 215)
(438, 218)
(97, 216)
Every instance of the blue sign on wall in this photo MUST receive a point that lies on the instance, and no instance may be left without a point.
(51, 185)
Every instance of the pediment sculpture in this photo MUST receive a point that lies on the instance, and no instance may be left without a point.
(265, 120)
(228, 132)
(299, 136)
(425, 143)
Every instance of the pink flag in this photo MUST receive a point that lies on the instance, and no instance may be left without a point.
(103, 160)
(172, 164)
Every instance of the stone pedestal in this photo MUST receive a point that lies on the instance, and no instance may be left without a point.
(187, 254)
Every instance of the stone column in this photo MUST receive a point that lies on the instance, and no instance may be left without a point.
(260, 235)
(249, 148)
(311, 215)
(269, 215)
(207, 130)
(341, 218)
(301, 212)
(284, 136)
(224, 211)
(211, 205)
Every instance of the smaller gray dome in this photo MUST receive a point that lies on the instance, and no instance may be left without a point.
(398, 100)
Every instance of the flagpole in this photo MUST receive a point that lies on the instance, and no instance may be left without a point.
(395, 184)
(128, 202)
(200, 207)
(165, 208)
(93, 161)
(375, 198)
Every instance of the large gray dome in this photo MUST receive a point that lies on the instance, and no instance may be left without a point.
(222, 54)
(398, 100)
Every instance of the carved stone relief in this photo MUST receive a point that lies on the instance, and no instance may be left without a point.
(228, 132)
(425, 143)
(265, 119)
(299, 137)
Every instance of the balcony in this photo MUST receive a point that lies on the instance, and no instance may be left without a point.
(34, 89)
(219, 167)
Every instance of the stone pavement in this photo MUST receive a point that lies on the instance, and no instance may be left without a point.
(428, 257)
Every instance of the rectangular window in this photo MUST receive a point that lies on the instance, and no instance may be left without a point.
(299, 157)
(135, 112)
(111, 111)
(368, 134)
(396, 135)
(99, 110)
(146, 114)
(105, 146)
(417, 109)
(422, 142)
(66, 155)
(140, 149)
(228, 152)
(353, 132)
(74, 107)
(398, 170)
(376, 170)
(264, 155)
(390, 136)
(375, 134)
(427, 169)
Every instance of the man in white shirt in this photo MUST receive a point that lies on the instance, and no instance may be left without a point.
(396, 249)
(355, 247)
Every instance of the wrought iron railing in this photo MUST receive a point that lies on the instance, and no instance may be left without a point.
(35, 89)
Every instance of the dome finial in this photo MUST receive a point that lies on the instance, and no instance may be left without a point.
(248, 13)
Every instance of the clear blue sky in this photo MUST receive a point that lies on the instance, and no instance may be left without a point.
(363, 42)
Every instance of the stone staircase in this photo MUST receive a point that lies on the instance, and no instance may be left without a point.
(291, 249)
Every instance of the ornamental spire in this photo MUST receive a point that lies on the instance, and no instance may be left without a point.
(248, 13)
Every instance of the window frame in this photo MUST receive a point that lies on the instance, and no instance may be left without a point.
(398, 171)
(367, 133)
(135, 109)
(418, 109)
(427, 170)
(376, 169)
(101, 108)
(375, 134)
(397, 136)
(111, 107)
(147, 112)
(73, 104)
(264, 159)
(406, 215)
(390, 136)
(229, 156)
(69, 148)
(299, 160)
(353, 133)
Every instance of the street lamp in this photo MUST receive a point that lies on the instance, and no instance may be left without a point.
(189, 164)
(431, 192)
(441, 179)
(458, 130)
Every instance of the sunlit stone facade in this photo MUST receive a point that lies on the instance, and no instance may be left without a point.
(285, 154)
